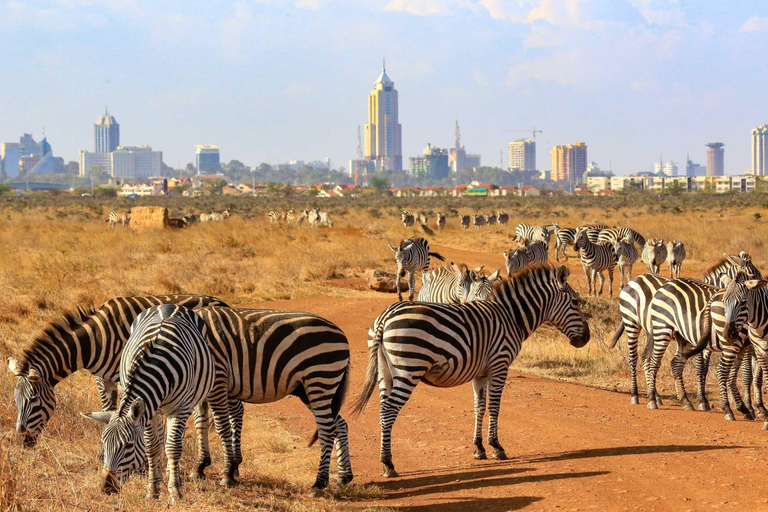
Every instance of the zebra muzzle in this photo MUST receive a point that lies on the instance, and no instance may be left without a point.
(110, 483)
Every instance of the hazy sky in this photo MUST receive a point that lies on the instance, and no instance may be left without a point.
(278, 80)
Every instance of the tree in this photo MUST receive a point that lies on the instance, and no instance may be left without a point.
(674, 188)
(379, 184)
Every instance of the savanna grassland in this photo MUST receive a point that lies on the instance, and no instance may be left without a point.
(57, 253)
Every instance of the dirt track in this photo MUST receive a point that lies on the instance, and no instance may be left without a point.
(571, 447)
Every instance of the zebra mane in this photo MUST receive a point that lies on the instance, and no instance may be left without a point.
(68, 322)
(535, 272)
(721, 263)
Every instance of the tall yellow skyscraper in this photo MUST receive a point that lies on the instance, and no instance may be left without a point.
(383, 142)
(569, 163)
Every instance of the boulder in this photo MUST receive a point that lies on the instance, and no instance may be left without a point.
(381, 281)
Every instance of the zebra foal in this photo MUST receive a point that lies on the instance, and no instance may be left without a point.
(595, 259)
(411, 255)
(626, 257)
(167, 368)
(447, 345)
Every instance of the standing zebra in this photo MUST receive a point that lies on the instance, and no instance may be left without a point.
(613, 235)
(266, 355)
(536, 233)
(323, 218)
(675, 257)
(527, 254)
(275, 218)
(167, 368)
(440, 222)
(90, 339)
(563, 238)
(290, 215)
(407, 219)
(503, 218)
(626, 256)
(593, 231)
(118, 218)
(730, 266)
(411, 255)
(654, 254)
(447, 345)
(595, 259)
(456, 284)
(465, 221)
(478, 220)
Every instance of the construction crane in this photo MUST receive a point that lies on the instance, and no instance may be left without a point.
(533, 131)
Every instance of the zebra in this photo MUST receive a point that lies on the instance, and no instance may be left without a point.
(218, 217)
(208, 217)
(411, 255)
(290, 215)
(654, 254)
(478, 220)
(593, 231)
(407, 219)
(729, 266)
(440, 222)
(490, 220)
(190, 218)
(166, 340)
(675, 257)
(465, 220)
(87, 338)
(634, 306)
(323, 218)
(265, 355)
(423, 219)
(626, 257)
(563, 238)
(503, 218)
(455, 284)
(595, 259)
(536, 233)
(118, 218)
(447, 345)
(615, 234)
(527, 254)
(275, 218)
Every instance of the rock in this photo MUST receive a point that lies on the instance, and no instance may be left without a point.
(381, 281)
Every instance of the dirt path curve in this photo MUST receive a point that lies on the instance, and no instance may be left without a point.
(571, 447)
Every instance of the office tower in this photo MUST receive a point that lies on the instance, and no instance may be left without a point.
(715, 159)
(383, 141)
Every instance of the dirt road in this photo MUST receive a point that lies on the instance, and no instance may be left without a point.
(571, 447)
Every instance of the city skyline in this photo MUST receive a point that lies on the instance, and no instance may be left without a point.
(568, 68)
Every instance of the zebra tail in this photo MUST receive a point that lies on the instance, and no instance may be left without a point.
(337, 402)
(616, 336)
(372, 374)
(437, 255)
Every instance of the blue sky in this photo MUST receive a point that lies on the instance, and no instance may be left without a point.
(273, 80)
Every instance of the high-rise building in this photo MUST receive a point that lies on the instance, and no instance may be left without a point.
(715, 159)
(383, 141)
(692, 169)
(128, 163)
(27, 156)
(432, 165)
(207, 159)
(569, 163)
(522, 155)
(106, 134)
(667, 168)
(759, 150)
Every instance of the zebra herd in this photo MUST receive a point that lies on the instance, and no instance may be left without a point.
(114, 218)
(409, 219)
(315, 217)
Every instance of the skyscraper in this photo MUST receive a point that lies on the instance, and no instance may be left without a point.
(383, 142)
(569, 163)
(715, 159)
(522, 155)
(207, 159)
(106, 134)
(759, 150)
(667, 168)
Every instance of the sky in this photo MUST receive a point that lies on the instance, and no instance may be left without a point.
(278, 80)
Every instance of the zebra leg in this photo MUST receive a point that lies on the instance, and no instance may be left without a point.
(236, 413)
(660, 342)
(202, 418)
(498, 378)
(762, 360)
(219, 405)
(702, 369)
(760, 410)
(343, 461)
(153, 439)
(678, 365)
(480, 388)
(320, 405)
(173, 447)
(610, 282)
(633, 333)
(744, 406)
(588, 275)
(397, 285)
(402, 387)
(411, 283)
(602, 281)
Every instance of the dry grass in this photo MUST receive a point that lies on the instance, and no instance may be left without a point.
(52, 261)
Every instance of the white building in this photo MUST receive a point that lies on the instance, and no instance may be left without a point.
(125, 163)
(522, 155)
(759, 150)
(668, 168)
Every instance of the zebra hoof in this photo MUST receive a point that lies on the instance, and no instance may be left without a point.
(480, 455)
(228, 481)
(762, 415)
(765, 425)
(659, 402)
(704, 406)
(652, 405)
(635, 400)
(499, 455)
(315, 492)
(748, 416)
(688, 407)
(730, 417)
(344, 479)
(152, 496)
(390, 472)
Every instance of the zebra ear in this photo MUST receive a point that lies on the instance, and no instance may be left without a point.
(562, 274)
(137, 410)
(98, 416)
(14, 366)
(495, 275)
(393, 248)
(725, 279)
(478, 269)
(506, 256)
(755, 283)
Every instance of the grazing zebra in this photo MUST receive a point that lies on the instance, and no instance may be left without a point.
(275, 218)
(654, 254)
(456, 284)
(527, 254)
(166, 368)
(615, 234)
(730, 266)
(90, 339)
(265, 355)
(491, 220)
(411, 255)
(407, 219)
(634, 306)
(675, 257)
(447, 345)
(503, 218)
(595, 259)
(440, 222)
(465, 221)
(118, 218)
(478, 220)
(563, 238)
(423, 219)
(626, 257)
(323, 218)
(536, 233)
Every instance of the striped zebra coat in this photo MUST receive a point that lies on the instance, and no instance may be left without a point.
(593, 231)
(89, 339)
(730, 266)
(440, 222)
(528, 254)
(564, 237)
(613, 235)
(536, 233)
(654, 254)
(266, 355)
(675, 257)
(447, 345)
(456, 284)
(626, 257)
(595, 259)
(118, 218)
(407, 219)
(166, 368)
(412, 255)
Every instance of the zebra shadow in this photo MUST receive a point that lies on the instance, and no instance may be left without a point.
(488, 504)
(628, 450)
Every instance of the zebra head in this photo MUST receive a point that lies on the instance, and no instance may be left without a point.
(734, 301)
(463, 281)
(123, 442)
(400, 255)
(482, 286)
(563, 310)
(580, 240)
(35, 402)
